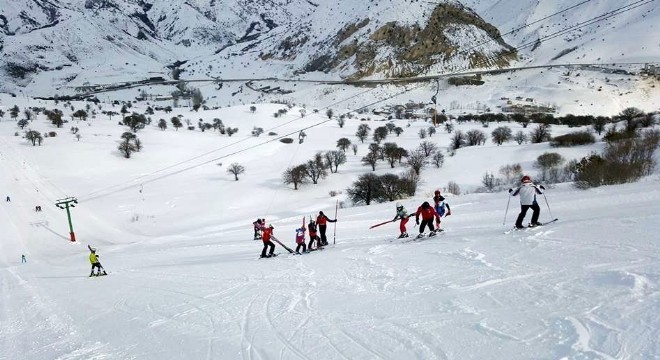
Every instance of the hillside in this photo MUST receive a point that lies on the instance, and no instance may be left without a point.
(174, 231)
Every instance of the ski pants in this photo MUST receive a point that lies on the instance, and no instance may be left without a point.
(324, 240)
(428, 223)
(98, 266)
(523, 211)
(268, 244)
(301, 245)
(402, 224)
(311, 241)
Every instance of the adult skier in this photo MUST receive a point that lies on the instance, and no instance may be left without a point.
(440, 205)
(267, 231)
(402, 213)
(94, 259)
(322, 222)
(528, 191)
(428, 213)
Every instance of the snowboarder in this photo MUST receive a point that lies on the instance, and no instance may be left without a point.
(440, 205)
(300, 239)
(267, 231)
(94, 259)
(313, 236)
(402, 213)
(527, 191)
(23, 259)
(322, 222)
(257, 228)
(428, 213)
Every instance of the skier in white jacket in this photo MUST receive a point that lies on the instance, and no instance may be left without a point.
(527, 191)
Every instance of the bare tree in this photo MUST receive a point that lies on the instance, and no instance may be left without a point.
(428, 148)
(390, 187)
(316, 168)
(457, 140)
(363, 132)
(366, 189)
(334, 159)
(343, 144)
(296, 175)
(236, 169)
(475, 137)
(354, 147)
(34, 137)
(520, 137)
(422, 133)
(438, 159)
(416, 160)
(501, 135)
(371, 159)
(380, 134)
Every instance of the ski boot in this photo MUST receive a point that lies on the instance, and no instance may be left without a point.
(421, 235)
(404, 235)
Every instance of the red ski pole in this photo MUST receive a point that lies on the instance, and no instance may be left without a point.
(383, 223)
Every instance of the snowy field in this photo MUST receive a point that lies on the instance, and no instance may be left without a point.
(174, 231)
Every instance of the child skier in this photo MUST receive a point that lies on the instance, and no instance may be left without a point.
(428, 213)
(313, 236)
(94, 259)
(257, 228)
(402, 214)
(440, 205)
(265, 237)
(528, 191)
(300, 238)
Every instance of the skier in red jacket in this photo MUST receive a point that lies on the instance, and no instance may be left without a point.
(265, 237)
(322, 221)
(428, 214)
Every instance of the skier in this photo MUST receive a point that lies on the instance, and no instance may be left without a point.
(94, 259)
(23, 259)
(322, 222)
(402, 214)
(440, 205)
(313, 236)
(8, 198)
(428, 213)
(257, 228)
(265, 237)
(300, 239)
(527, 191)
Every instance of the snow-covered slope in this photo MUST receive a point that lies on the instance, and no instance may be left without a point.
(174, 231)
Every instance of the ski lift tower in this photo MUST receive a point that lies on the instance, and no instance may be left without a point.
(66, 204)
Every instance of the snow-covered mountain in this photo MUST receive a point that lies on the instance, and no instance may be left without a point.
(59, 47)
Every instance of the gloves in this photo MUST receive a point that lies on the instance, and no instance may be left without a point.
(510, 191)
(417, 221)
(542, 187)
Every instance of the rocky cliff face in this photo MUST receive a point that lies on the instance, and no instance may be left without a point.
(67, 42)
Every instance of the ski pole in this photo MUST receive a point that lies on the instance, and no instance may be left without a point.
(548, 205)
(334, 235)
(507, 210)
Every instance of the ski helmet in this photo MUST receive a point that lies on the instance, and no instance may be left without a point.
(437, 192)
(398, 205)
(426, 205)
(526, 178)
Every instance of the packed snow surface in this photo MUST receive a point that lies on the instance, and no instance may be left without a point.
(185, 279)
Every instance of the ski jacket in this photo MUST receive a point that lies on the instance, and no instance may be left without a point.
(323, 219)
(93, 258)
(265, 237)
(527, 192)
(401, 214)
(312, 231)
(427, 214)
(440, 205)
(300, 235)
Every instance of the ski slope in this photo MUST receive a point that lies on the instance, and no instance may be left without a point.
(186, 282)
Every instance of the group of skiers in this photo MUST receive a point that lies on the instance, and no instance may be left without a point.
(427, 212)
(315, 227)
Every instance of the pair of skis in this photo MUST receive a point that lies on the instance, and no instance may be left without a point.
(531, 227)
